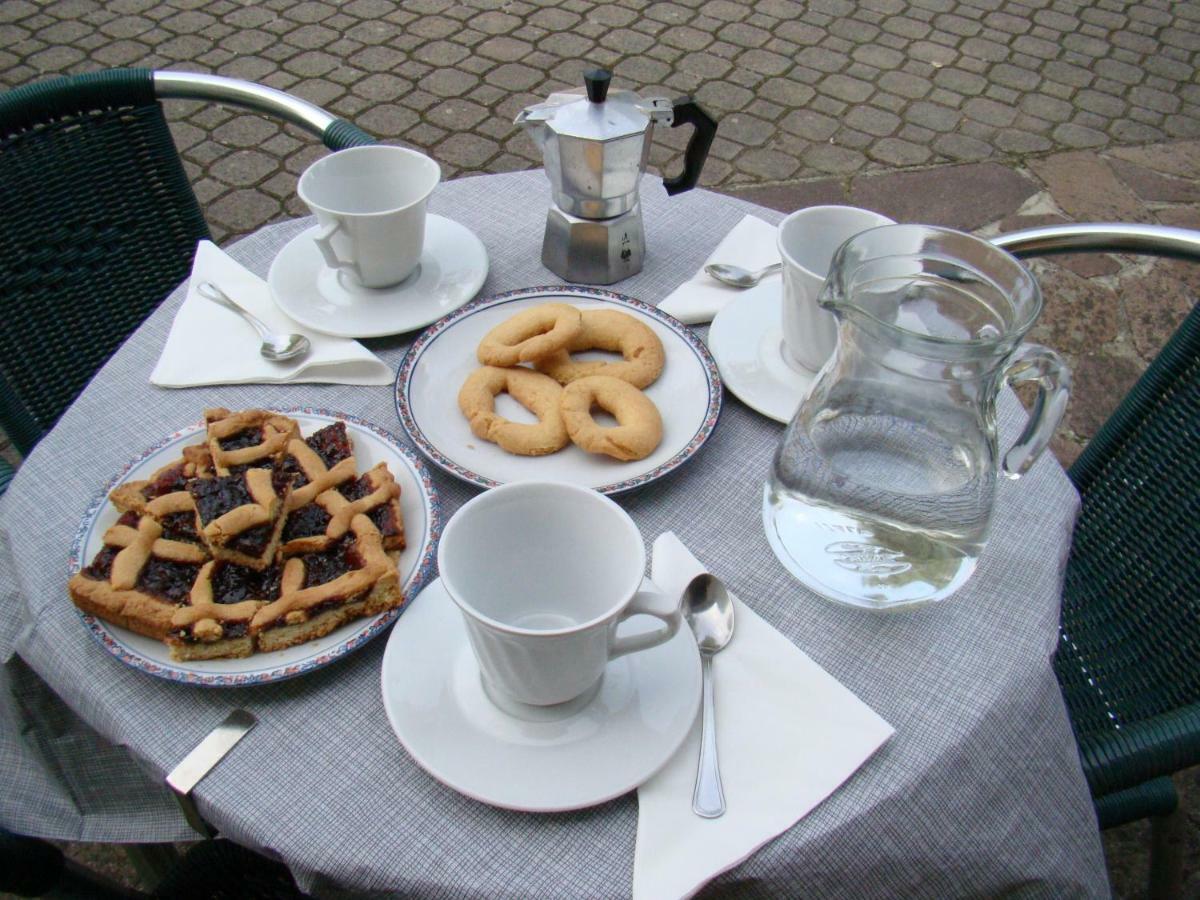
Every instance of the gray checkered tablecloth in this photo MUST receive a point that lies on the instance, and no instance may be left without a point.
(979, 792)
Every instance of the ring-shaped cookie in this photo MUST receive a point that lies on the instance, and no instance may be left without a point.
(617, 332)
(639, 426)
(538, 393)
(530, 334)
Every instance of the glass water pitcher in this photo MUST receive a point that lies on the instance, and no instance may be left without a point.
(880, 493)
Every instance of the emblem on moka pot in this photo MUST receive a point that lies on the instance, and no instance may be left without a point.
(595, 149)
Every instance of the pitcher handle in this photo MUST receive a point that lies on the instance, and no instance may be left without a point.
(1033, 362)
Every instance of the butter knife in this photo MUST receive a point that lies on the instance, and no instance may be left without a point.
(210, 751)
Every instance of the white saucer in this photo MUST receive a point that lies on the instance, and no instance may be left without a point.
(746, 340)
(453, 267)
(551, 760)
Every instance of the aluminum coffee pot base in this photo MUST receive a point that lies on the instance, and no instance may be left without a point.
(594, 251)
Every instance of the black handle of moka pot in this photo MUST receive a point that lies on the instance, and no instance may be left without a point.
(688, 112)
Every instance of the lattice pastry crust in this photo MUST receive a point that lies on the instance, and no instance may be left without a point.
(195, 461)
(240, 517)
(252, 438)
(215, 623)
(139, 578)
(320, 591)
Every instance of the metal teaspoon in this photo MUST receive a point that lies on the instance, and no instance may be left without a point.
(708, 609)
(736, 276)
(275, 347)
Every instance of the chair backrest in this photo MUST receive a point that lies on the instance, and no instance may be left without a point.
(98, 223)
(1130, 633)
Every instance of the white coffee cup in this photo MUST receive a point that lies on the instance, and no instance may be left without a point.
(544, 573)
(370, 207)
(807, 240)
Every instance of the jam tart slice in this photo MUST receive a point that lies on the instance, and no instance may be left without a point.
(318, 525)
(139, 578)
(253, 438)
(320, 591)
(313, 466)
(240, 516)
(194, 462)
(215, 623)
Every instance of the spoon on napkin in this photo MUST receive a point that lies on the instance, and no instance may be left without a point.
(736, 276)
(708, 609)
(275, 347)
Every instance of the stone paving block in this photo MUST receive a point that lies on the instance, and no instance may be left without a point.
(1087, 190)
(965, 197)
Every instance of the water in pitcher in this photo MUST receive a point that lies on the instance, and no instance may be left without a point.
(879, 509)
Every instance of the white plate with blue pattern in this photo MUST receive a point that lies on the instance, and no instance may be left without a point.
(372, 445)
(687, 394)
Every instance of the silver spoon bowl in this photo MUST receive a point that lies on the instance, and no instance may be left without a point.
(708, 609)
(736, 276)
(275, 347)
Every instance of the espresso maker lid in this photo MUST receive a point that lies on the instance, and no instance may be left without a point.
(595, 113)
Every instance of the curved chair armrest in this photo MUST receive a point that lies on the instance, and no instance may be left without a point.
(1154, 240)
(336, 133)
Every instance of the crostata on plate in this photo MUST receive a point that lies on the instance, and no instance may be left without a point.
(255, 539)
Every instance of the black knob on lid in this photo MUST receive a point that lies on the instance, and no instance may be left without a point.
(597, 84)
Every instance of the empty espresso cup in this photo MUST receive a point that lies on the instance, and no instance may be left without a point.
(370, 207)
(807, 240)
(544, 573)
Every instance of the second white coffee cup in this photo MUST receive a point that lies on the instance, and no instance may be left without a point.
(544, 573)
(807, 240)
(370, 205)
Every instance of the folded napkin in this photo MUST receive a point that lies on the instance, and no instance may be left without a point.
(787, 735)
(751, 245)
(210, 344)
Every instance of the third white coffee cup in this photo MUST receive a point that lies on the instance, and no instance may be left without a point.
(544, 573)
(370, 206)
(807, 240)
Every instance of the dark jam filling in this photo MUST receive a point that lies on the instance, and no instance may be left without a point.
(332, 444)
(308, 521)
(180, 526)
(250, 437)
(232, 583)
(382, 516)
(342, 557)
(167, 580)
(252, 541)
(101, 567)
(286, 472)
(257, 464)
(129, 519)
(216, 496)
(318, 608)
(168, 482)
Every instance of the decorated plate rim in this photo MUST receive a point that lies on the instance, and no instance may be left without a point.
(413, 355)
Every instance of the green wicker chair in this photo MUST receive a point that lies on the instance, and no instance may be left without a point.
(1128, 657)
(99, 223)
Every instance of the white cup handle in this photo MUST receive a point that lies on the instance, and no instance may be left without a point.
(648, 602)
(325, 245)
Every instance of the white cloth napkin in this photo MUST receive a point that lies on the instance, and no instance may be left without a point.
(750, 244)
(788, 735)
(210, 344)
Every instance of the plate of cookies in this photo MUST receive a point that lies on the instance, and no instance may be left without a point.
(254, 546)
(569, 383)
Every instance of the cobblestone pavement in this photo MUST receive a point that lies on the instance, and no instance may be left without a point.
(979, 114)
(801, 89)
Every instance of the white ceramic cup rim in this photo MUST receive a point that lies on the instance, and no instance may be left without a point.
(879, 220)
(627, 594)
(432, 172)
